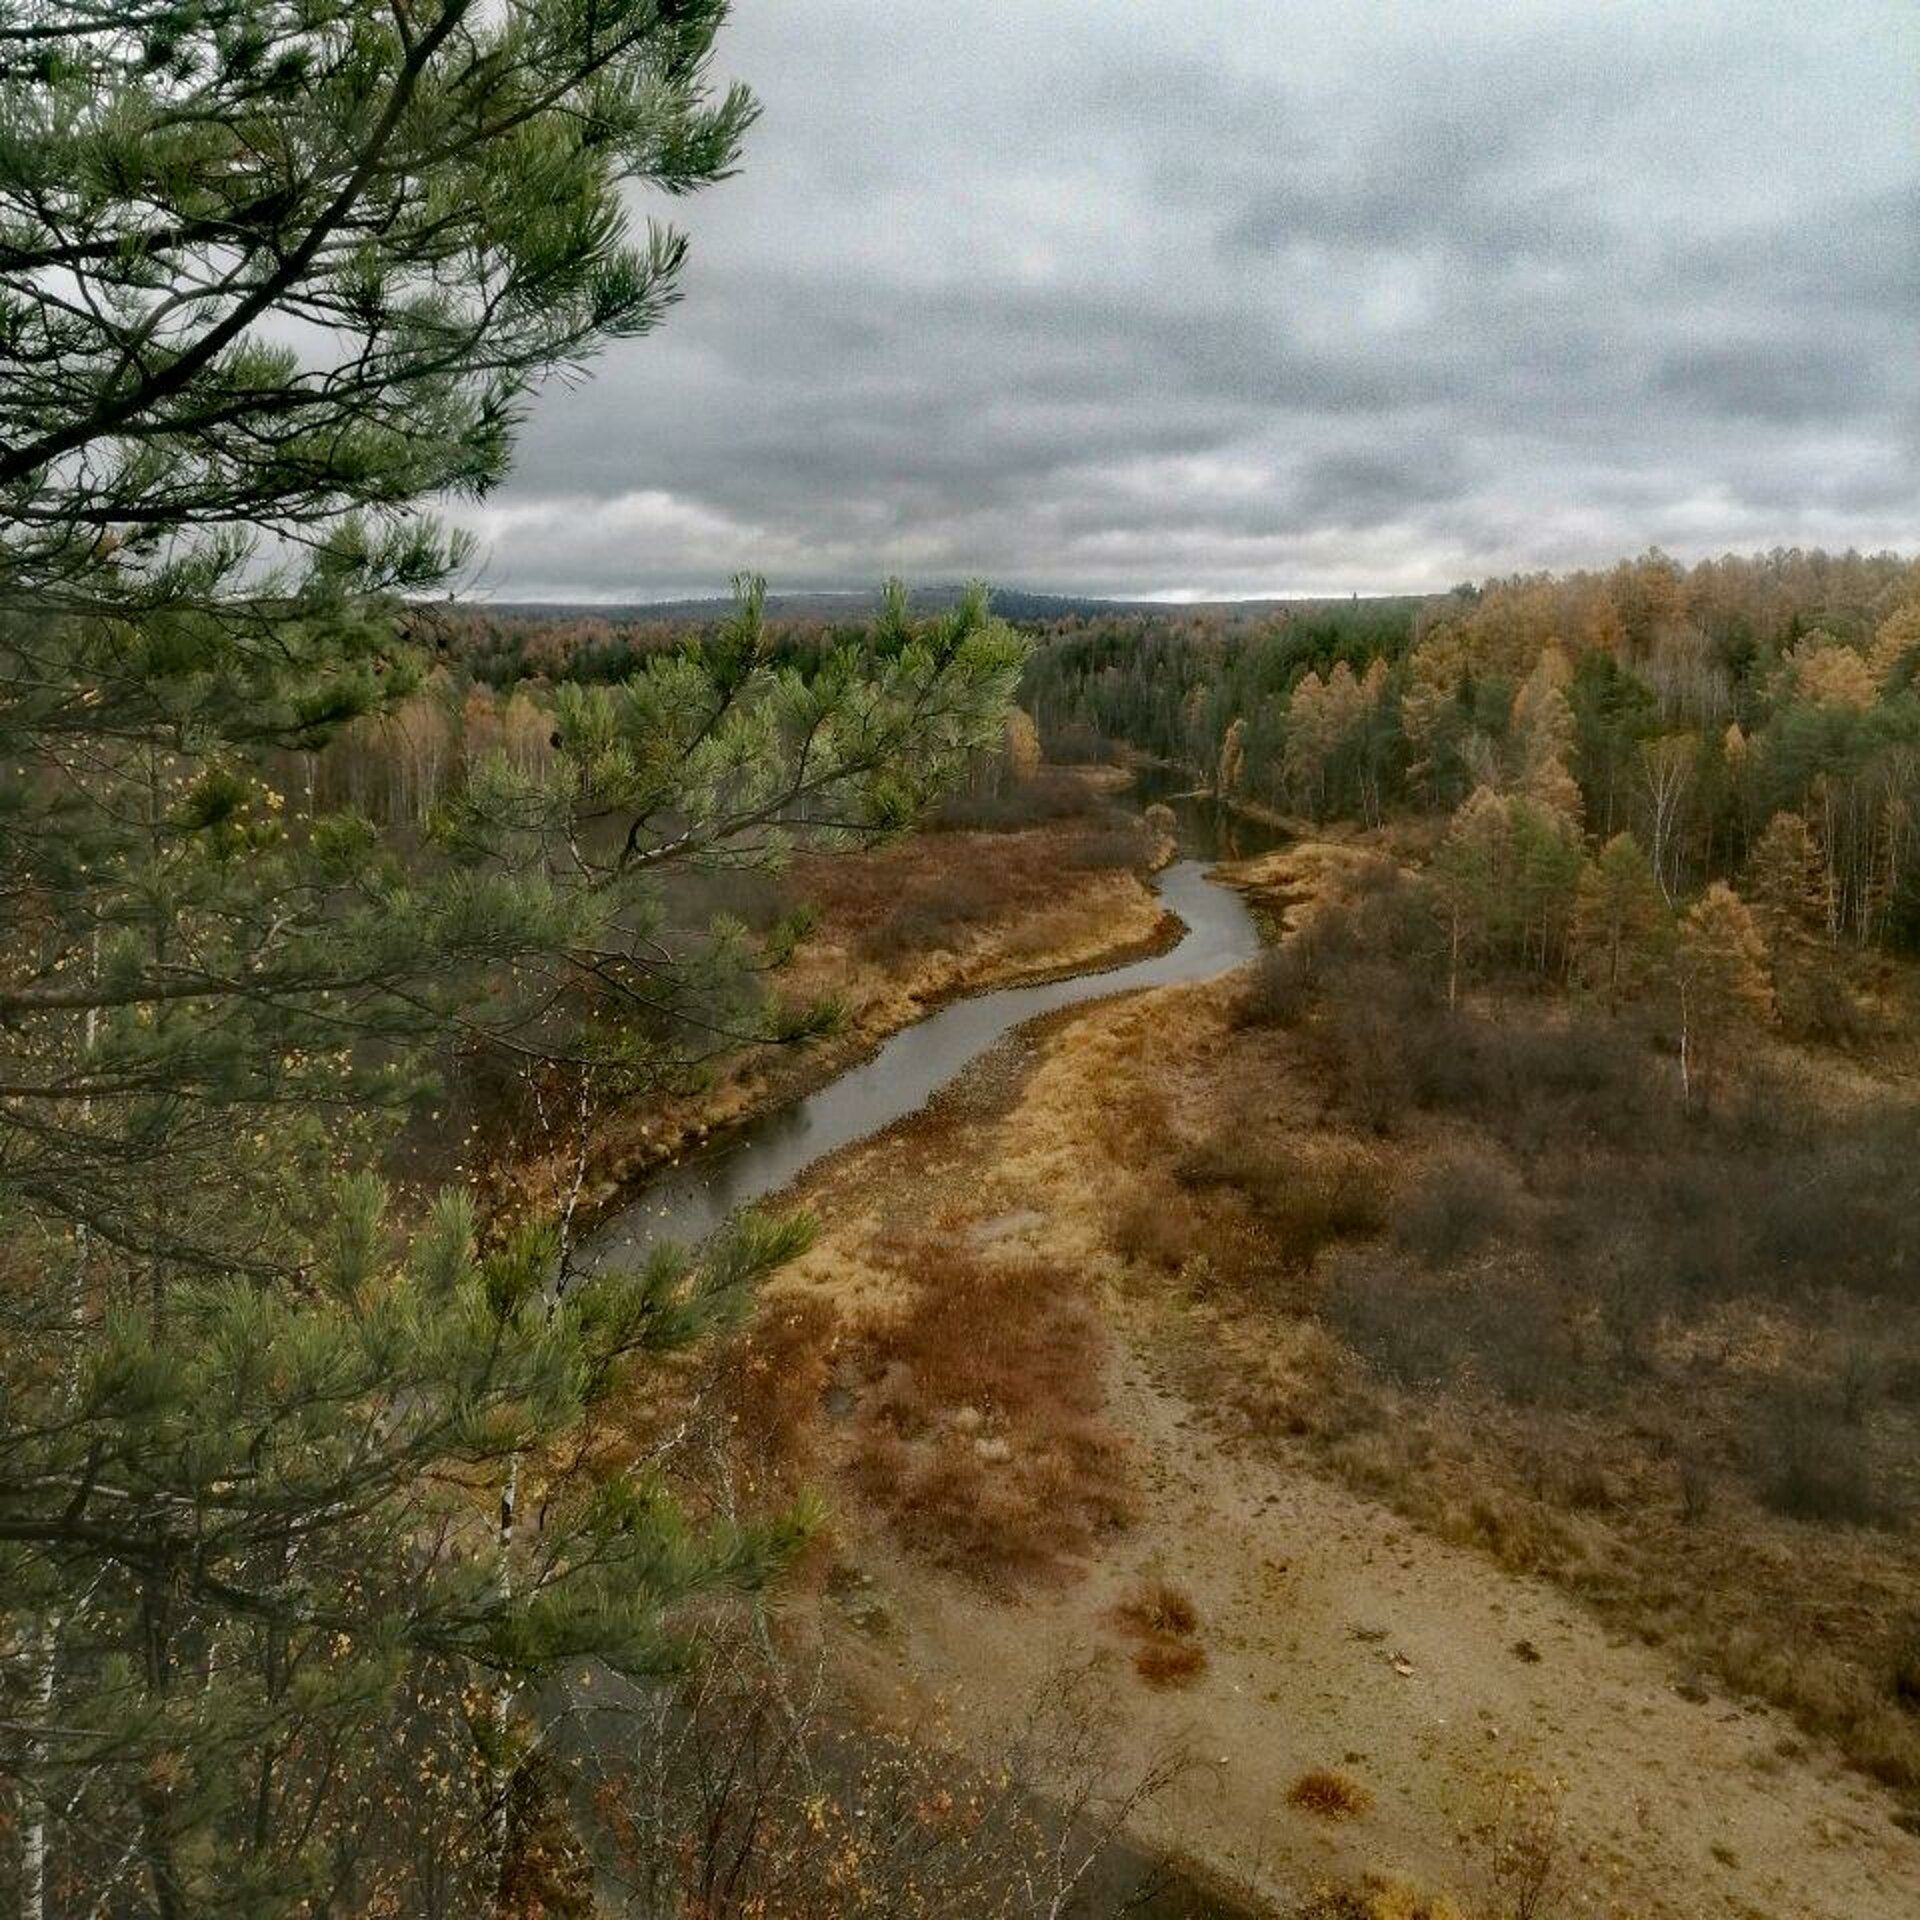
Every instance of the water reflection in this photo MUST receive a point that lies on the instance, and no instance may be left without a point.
(1208, 830)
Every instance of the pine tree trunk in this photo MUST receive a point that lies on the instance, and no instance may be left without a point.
(500, 1774)
(163, 1866)
(504, 1689)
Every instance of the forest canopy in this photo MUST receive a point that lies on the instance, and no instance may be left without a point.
(1690, 706)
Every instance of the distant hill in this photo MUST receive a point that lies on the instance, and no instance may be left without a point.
(1011, 603)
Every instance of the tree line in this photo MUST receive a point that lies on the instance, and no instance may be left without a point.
(1708, 713)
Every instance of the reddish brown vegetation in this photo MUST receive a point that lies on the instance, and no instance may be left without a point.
(1165, 1622)
(1330, 1796)
(1169, 1663)
(934, 891)
(980, 1434)
(768, 1387)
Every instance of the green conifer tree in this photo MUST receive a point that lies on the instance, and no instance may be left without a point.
(1622, 924)
(273, 273)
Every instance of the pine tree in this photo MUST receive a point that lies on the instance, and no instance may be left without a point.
(1506, 877)
(256, 1622)
(1546, 865)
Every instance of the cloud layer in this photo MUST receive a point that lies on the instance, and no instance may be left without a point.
(1132, 297)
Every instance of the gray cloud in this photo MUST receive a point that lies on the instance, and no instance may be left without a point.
(1141, 298)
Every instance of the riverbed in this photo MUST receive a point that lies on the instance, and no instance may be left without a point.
(688, 1202)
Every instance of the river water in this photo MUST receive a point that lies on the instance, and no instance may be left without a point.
(766, 1155)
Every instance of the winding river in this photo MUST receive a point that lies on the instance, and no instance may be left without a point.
(768, 1154)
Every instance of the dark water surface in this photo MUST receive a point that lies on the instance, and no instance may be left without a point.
(1208, 830)
(688, 1202)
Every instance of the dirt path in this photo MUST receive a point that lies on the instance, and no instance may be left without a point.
(1339, 1638)
(1336, 1635)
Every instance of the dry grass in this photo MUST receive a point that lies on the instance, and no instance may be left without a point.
(1165, 1623)
(1377, 1898)
(979, 1432)
(1156, 1229)
(1329, 1796)
(1160, 1608)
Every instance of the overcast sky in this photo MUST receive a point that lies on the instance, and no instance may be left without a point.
(1217, 297)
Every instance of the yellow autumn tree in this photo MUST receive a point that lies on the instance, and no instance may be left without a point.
(1543, 736)
(1724, 984)
(1788, 880)
(1826, 672)
(1020, 746)
(1233, 758)
(1895, 647)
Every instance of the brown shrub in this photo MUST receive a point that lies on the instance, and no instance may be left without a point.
(1050, 794)
(1109, 848)
(1169, 1663)
(1388, 1319)
(1330, 1796)
(1455, 1206)
(1369, 1035)
(1817, 1004)
(1517, 1336)
(933, 913)
(931, 889)
(1281, 986)
(1164, 1621)
(1811, 1462)
(1305, 1202)
(1323, 1205)
(1505, 1331)
(1532, 1078)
